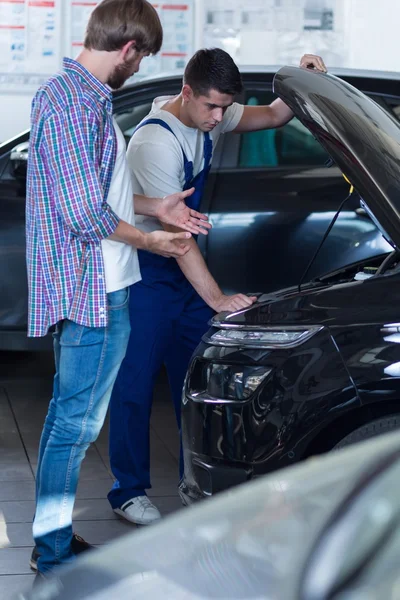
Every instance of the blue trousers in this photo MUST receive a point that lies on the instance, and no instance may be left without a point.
(168, 318)
(87, 360)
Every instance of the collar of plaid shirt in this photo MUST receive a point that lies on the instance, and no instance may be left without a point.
(71, 159)
(73, 67)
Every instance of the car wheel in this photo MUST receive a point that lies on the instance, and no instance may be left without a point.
(369, 430)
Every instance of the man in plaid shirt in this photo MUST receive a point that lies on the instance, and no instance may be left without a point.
(81, 251)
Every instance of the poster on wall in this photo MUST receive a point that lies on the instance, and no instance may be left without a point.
(177, 19)
(42, 41)
(80, 12)
(29, 43)
(32, 41)
(276, 32)
(12, 34)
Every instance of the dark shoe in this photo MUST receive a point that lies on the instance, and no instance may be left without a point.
(78, 545)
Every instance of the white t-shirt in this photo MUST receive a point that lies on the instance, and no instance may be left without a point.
(121, 263)
(155, 155)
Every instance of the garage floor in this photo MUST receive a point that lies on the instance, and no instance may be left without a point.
(25, 388)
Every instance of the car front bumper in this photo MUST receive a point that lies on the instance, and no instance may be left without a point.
(205, 477)
(228, 443)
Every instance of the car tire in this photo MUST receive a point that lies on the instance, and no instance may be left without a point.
(369, 430)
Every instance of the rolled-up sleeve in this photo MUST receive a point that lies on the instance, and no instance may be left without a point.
(69, 152)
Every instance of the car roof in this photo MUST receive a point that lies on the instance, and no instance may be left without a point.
(271, 69)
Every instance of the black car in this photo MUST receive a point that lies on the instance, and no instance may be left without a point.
(328, 529)
(270, 197)
(316, 366)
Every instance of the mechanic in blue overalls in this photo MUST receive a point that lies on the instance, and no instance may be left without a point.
(171, 150)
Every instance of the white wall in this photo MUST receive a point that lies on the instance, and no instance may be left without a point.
(14, 114)
(365, 37)
(373, 31)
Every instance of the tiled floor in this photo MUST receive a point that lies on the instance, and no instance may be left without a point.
(25, 388)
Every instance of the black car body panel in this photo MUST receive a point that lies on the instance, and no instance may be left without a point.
(312, 393)
(269, 209)
(332, 304)
(302, 396)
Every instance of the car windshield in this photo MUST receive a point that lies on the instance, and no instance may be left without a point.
(354, 230)
(371, 215)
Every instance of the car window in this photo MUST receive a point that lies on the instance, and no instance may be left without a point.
(130, 118)
(291, 145)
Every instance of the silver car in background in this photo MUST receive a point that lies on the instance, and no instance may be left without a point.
(327, 529)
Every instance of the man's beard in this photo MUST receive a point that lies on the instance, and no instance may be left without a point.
(120, 75)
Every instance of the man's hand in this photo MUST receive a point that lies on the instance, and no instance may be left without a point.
(167, 244)
(233, 303)
(311, 60)
(172, 210)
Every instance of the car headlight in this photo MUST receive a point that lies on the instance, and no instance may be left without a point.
(219, 383)
(271, 337)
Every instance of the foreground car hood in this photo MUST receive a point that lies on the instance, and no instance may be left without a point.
(252, 542)
(362, 139)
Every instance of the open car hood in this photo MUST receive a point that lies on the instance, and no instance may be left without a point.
(360, 136)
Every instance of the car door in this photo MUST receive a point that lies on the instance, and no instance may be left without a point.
(273, 199)
(14, 296)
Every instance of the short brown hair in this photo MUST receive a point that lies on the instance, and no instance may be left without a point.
(113, 23)
(212, 69)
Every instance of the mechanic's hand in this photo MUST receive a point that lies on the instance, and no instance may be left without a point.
(233, 303)
(311, 60)
(167, 244)
(173, 211)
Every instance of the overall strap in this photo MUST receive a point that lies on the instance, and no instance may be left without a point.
(207, 150)
(188, 166)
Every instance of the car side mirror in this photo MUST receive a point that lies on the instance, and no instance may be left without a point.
(19, 160)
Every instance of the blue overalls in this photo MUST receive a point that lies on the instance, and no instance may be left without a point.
(168, 319)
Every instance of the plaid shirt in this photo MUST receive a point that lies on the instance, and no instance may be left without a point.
(72, 154)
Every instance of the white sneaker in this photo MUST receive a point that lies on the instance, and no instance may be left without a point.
(139, 510)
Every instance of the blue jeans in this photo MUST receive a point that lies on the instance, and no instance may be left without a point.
(87, 360)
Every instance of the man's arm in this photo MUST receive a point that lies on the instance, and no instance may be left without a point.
(78, 194)
(277, 113)
(169, 244)
(195, 270)
(256, 118)
(157, 169)
(68, 147)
